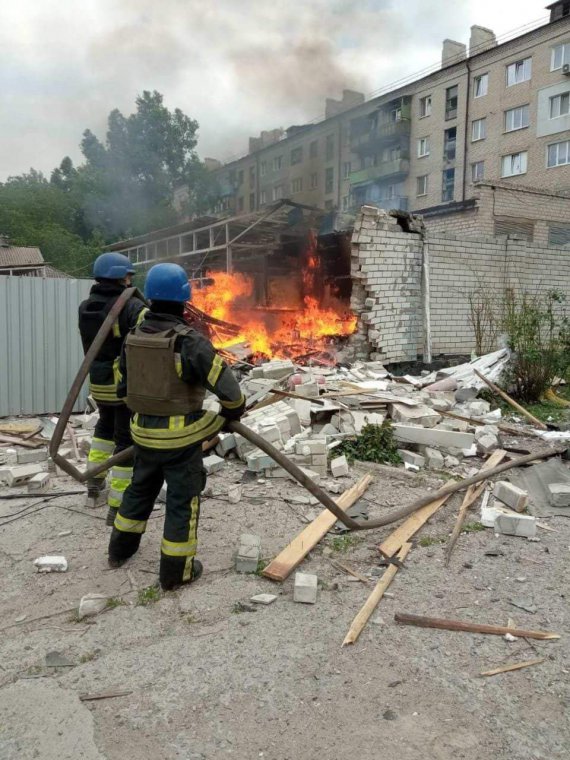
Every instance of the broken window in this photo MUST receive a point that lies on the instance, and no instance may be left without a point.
(520, 71)
(425, 106)
(513, 164)
(448, 188)
(450, 143)
(480, 85)
(451, 95)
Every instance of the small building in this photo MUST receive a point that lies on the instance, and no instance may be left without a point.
(23, 261)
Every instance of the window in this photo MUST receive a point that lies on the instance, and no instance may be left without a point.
(314, 180)
(423, 147)
(313, 149)
(240, 203)
(346, 170)
(263, 168)
(277, 192)
(514, 164)
(345, 203)
(477, 171)
(517, 118)
(329, 180)
(560, 105)
(558, 154)
(252, 201)
(560, 56)
(480, 85)
(296, 155)
(425, 106)
(518, 72)
(396, 114)
(240, 177)
(392, 192)
(263, 197)
(449, 143)
(448, 187)
(478, 129)
(277, 163)
(252, 175)
(422, 185)
(297, 185)
(451, 94)
(329, 148)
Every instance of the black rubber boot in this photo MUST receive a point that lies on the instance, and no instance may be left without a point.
(170, 581)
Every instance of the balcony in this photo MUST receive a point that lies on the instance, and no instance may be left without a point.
(385, 170)
(380, 134)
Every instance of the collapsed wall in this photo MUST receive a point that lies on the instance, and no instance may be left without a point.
(396, 305)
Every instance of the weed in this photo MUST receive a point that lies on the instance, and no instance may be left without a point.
(148, 595)
(431, 540)
(87, 657)
(242, 607)
(473, 527)
(261, 565)
(342, 544)
(374, 444)
(115, 601)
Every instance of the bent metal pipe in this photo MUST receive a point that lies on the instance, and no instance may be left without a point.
(257, 440)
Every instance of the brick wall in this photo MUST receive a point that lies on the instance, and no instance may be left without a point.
(387, 276)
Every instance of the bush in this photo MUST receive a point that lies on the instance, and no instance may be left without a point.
(538, 335)
(374, 444)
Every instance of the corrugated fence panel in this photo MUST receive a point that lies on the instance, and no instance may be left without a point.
(40, 349)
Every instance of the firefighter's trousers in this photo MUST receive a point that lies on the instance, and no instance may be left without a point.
(112, 434)
(183, 471)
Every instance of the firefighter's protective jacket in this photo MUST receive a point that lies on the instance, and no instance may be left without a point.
(166, 395)
(92, 313)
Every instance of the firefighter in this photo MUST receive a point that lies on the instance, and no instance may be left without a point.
(165, 369)
(113, 273)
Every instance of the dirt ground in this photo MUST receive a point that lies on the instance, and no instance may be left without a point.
(209, 675)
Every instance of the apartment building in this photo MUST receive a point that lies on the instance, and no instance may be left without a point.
(497, 110)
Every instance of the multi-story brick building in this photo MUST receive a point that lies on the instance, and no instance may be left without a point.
(498, 111)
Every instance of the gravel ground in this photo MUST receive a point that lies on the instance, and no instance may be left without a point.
(210, 679)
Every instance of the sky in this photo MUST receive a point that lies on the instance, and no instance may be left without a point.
(236, 67)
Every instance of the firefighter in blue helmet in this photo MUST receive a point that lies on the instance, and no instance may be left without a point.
(165, 369)
(113, 273)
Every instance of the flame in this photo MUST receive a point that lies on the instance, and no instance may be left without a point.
(277, 332)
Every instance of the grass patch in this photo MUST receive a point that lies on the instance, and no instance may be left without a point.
(431, 540)
(341, 544)
(88, 657)
(261, 565)
(148, 595)
(374, 444)
(473, 527)
(114, 601)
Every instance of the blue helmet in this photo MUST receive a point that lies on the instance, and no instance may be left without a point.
(167, 282)
(112, 266)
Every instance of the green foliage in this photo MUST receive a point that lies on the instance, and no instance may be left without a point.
(473, 527)
(431, 541)
(261, 565)
(115, 601)
(124, 187)
(148, 595)
(536, 326)
(374, 444)
(342, 544)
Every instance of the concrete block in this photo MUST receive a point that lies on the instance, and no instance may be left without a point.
(308, 389)
(226, 443)
(305, 588)
(319, 459)
(470, 452)
(51, 564)
(339, 467)
(410, 457)
(263, 598)
(309, 473)
(39, 483)
(444, 439)
(487, 444)
(478, 408)
(213, 463)
(22, 473)
(276, 370)
(451, 462)
(511, 495)
(559, 494)
(258, 461)
(270, 433)
(248, 554)
(294, 421)
(463, 395)
(434, 458)
(516, 525)
(415, 415)
(303, 409)
(91, 605)
(11, 456)
(32, 456)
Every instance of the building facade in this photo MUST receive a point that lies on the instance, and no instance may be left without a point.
(498, 111)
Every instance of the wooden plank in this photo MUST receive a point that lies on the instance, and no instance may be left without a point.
(511, 401)
(467, 627)
(293, 554)
(341, 566)
(28, 444)
(103, 695)
(514, 666)
(407, 529)
(372, 602)
(471, 496)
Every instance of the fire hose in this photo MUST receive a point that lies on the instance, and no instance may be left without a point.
(241, 429)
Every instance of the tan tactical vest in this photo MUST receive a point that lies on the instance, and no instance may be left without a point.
(153, 384)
